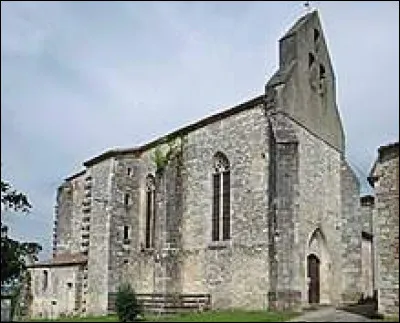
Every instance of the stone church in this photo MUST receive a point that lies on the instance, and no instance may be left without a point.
(254, 207)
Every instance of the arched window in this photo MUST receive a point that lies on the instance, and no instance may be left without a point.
(150, 211)
(221, 215)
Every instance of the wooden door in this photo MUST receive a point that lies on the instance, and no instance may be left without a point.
(313, 279)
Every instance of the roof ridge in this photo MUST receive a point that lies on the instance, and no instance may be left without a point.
(249, 104)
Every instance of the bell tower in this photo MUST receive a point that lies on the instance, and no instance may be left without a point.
(305, 81)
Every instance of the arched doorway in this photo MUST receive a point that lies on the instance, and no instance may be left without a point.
(313, 278)
(318, 270)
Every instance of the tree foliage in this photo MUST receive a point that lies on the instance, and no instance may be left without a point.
(13, 252)
(162, 156)
(127, 305)
(11, 199)
(13, 255)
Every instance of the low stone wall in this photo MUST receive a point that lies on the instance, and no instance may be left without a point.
(168, 303)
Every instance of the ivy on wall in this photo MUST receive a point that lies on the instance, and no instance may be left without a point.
(164, 154)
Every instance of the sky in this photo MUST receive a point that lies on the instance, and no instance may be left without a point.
(79, 78)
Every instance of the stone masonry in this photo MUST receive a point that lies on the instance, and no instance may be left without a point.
(56, 287)
(367, 246)
(384, 177)
(146, 215)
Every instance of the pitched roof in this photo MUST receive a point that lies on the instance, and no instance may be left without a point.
(70, 178)
(181, 131)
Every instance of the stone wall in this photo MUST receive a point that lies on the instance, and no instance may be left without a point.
(386, 221)
(350, 227)
(367, 204)
(367, 263)
(185, 188)
(324, 202)
(168, 227)
(284, 289)
(234, 272)
(140, 272)
(63, 219)
(57, 297)
(318, 225)
(124, 212)
(99, 249)
(367, 246)
(78, 194)
(68, 215)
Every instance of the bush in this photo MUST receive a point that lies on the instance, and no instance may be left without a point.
(126, 304)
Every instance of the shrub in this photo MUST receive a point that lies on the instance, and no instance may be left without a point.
(126, 304)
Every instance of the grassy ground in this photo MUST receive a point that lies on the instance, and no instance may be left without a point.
(211, 316)
(227, 316)
(110, 318)
(390, 319)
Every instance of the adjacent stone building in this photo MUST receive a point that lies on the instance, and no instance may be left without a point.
(368, 286)
(255, 206)
(57, 286)
(384, 177)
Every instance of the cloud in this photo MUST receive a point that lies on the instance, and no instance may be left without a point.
(79, 78)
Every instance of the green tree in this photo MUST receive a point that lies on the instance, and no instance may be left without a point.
(127, 305)
(13, 252)
(11, 199)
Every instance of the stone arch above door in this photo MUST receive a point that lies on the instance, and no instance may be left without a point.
(317, 243)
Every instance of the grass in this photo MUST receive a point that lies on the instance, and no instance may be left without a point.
(210, 316)
(390, 318)
(226, 316)
(108, 318)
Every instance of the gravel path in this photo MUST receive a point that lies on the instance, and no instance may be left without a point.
(330, 314)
